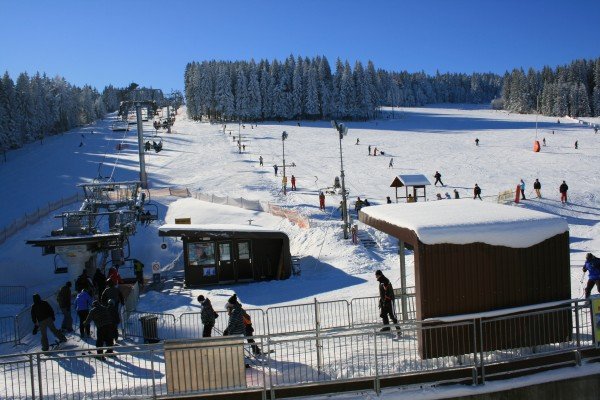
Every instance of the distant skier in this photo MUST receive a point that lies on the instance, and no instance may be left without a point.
(477, 192)
(260, 161)
(388, 200)
(375, 151)
(448, 196)
(369, 149)
(357, 141)
(358, 204)
(576, 145)
(366, 203)
(64, 302)
(275, 168)
(544, 142)
(563, 189)
(476, 141)
(438, 196)
(42, 316)
(293, 180)
(456, 195)
(537, 186)
(243, 147)
(207, 315)
(391, 165)
(592, 267)
(321, 201)
(386, 302)
(522, 189)
(438, 178)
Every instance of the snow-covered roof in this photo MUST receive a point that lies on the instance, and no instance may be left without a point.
(468, 221)
(214, 228)
(414, 180)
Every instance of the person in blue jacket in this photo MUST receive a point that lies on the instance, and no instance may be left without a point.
(83, 304)
(592, 267)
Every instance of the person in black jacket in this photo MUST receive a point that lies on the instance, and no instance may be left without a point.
(438, 178)
(64, 302)
(42, 316)
(99, 280)
(386, 301)
(477, 192)
(104, 325)
(113, 299)
(563, 192)
(537, 186)
(207, 315)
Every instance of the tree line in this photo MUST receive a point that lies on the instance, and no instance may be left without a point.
(38, 106)
(572, 90)
(308, 88)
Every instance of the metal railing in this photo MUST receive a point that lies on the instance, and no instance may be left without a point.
(468, 348)
(13, 295)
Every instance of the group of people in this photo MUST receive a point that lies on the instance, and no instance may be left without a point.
(375, 151)
(537, 187)
(97, 299)
(239, 322)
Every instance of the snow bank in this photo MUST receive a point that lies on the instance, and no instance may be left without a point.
(470, 221)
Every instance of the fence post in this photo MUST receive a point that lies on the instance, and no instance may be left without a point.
(481, 353)
(475, 352)
(577, 325)
(153, 377)
(318, 342)
(376, 383)
(349, 314)
(39, 372)
(32, 376)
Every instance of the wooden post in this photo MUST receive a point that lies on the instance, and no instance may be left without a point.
(403, 279)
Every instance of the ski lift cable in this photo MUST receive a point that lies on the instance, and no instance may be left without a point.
(120, 148)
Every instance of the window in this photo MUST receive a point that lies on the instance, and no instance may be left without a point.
(209, 271)
(243, 250)
(201, 253)
(225, 251)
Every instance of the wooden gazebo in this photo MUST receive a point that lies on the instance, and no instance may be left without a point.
(411, 183)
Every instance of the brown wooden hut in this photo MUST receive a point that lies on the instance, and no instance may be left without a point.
(473, 257)
(224, 253)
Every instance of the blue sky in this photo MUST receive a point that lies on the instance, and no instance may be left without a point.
(150, 42)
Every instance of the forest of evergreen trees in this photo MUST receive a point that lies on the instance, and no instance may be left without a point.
(36, 107)
(572, 90)
(308, 89)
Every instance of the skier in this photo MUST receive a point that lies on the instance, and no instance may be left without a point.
(138, 268)
(104, 326)
(358, 204)
(275, 168)
(113, 299)
(388, 200)
(476, 141)
(576, 145)
(83, 302)
(438, 196)
(391, 165)
(293, 180)
(147, 146)
(448, 196)
(592, 267)
(243, 147)
(366, 203)
(477, 192)
(438, 178)
(354, 232)
(207, 315)
(235, 326)
(456, 195)
(369, 149)
(64, 302)
(321, 201)
(537, 186)
(563, 192)
(386, 302)
(544, 141)
(375, 151)
(260, 161)
(522, 189)
(357, 141)
(42, 316)
(83, 282)
(114, 276)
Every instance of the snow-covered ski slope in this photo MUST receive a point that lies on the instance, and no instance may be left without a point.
(204, 157)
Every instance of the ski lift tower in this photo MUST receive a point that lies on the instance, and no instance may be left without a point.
(342, 131)
(138, 105)
(80, 239)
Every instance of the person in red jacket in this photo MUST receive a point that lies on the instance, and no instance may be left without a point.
(321, 201)
(114, 276)
(563, 192)
(293, 182)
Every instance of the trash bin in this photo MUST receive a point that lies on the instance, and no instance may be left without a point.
(150, 328)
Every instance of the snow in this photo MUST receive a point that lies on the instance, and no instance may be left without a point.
(201, 157)
(414, 180)
(467, 221)
(213, 228)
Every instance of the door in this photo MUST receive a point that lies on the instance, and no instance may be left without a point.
(225, 263)
(201, 267)
(243, 262)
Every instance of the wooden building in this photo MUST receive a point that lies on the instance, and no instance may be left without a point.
(215, 254)
(473, 256)
(413, 184)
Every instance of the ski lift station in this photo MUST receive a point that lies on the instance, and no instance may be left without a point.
(472, 257)
(226, 253)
